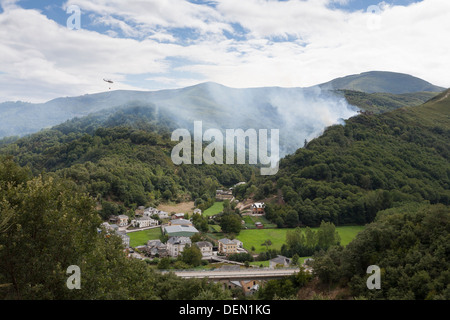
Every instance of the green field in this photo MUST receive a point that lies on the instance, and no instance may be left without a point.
(140, 238)
(216, 208)
(255, 237)
(250, 222)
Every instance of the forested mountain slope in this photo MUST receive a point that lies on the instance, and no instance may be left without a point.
(372, 163)
(122, 157)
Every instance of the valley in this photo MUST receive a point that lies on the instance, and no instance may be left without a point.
(352, 178)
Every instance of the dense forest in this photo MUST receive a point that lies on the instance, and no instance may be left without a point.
(122, 159)
(372, 163)
(411, 246)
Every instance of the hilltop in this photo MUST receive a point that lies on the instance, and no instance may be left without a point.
(381, 81)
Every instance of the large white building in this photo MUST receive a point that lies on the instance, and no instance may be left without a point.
(144, 222)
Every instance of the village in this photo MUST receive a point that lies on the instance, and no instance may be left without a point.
(178, 230)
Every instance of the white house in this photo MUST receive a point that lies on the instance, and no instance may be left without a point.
(163, 215)
(123, 220)
(144, 222)
(149, 212)
(258, 208)
(176, 245)
(205, 247)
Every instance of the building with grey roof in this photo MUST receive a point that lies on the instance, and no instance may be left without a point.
(180, 231)
(176, 245)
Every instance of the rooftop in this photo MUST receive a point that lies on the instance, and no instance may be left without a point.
(179, 240)
(179, 228)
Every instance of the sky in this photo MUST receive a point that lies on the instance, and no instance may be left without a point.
(165, 44)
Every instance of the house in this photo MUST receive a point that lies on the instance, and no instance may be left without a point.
(123, 220)
(198, 211)
(113, 219)
(163, 215)
(279, 261)
(156, 248)
(176, 245)
(180, 222)
(144, 222)
(180, 231)
(227, 246)
(178, 216)
(239, 244)
(205, 247)
(110, 227)
(249, 287)
(107, 226)
(114, 229)
(224, 194)
(125, 238)
(258, 208)
(150, 212)
(259, 225)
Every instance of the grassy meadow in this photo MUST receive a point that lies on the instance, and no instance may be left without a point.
(255, 237)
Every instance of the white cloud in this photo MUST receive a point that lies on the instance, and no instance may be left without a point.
(289, 43)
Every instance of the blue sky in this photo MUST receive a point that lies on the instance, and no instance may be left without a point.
(156, 44)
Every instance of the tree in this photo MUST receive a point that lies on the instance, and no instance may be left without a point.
(196, 238)
(201, 223)
(231, 223)
(267, 243)
(295, 259)
(327, 235)
(164, 263)
(294, 237)
(191, 255)
(292, 219)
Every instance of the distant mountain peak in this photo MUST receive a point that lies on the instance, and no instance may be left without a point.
(381, 82)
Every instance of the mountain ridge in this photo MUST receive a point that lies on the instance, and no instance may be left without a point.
(381, 81)
(217, 105)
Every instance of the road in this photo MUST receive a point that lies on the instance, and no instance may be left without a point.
(243, 274)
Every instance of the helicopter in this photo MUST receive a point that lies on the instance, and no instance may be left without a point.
(109, 81)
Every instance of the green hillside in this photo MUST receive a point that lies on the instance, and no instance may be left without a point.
(384, 102)
(373, 163)
(123, 158)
